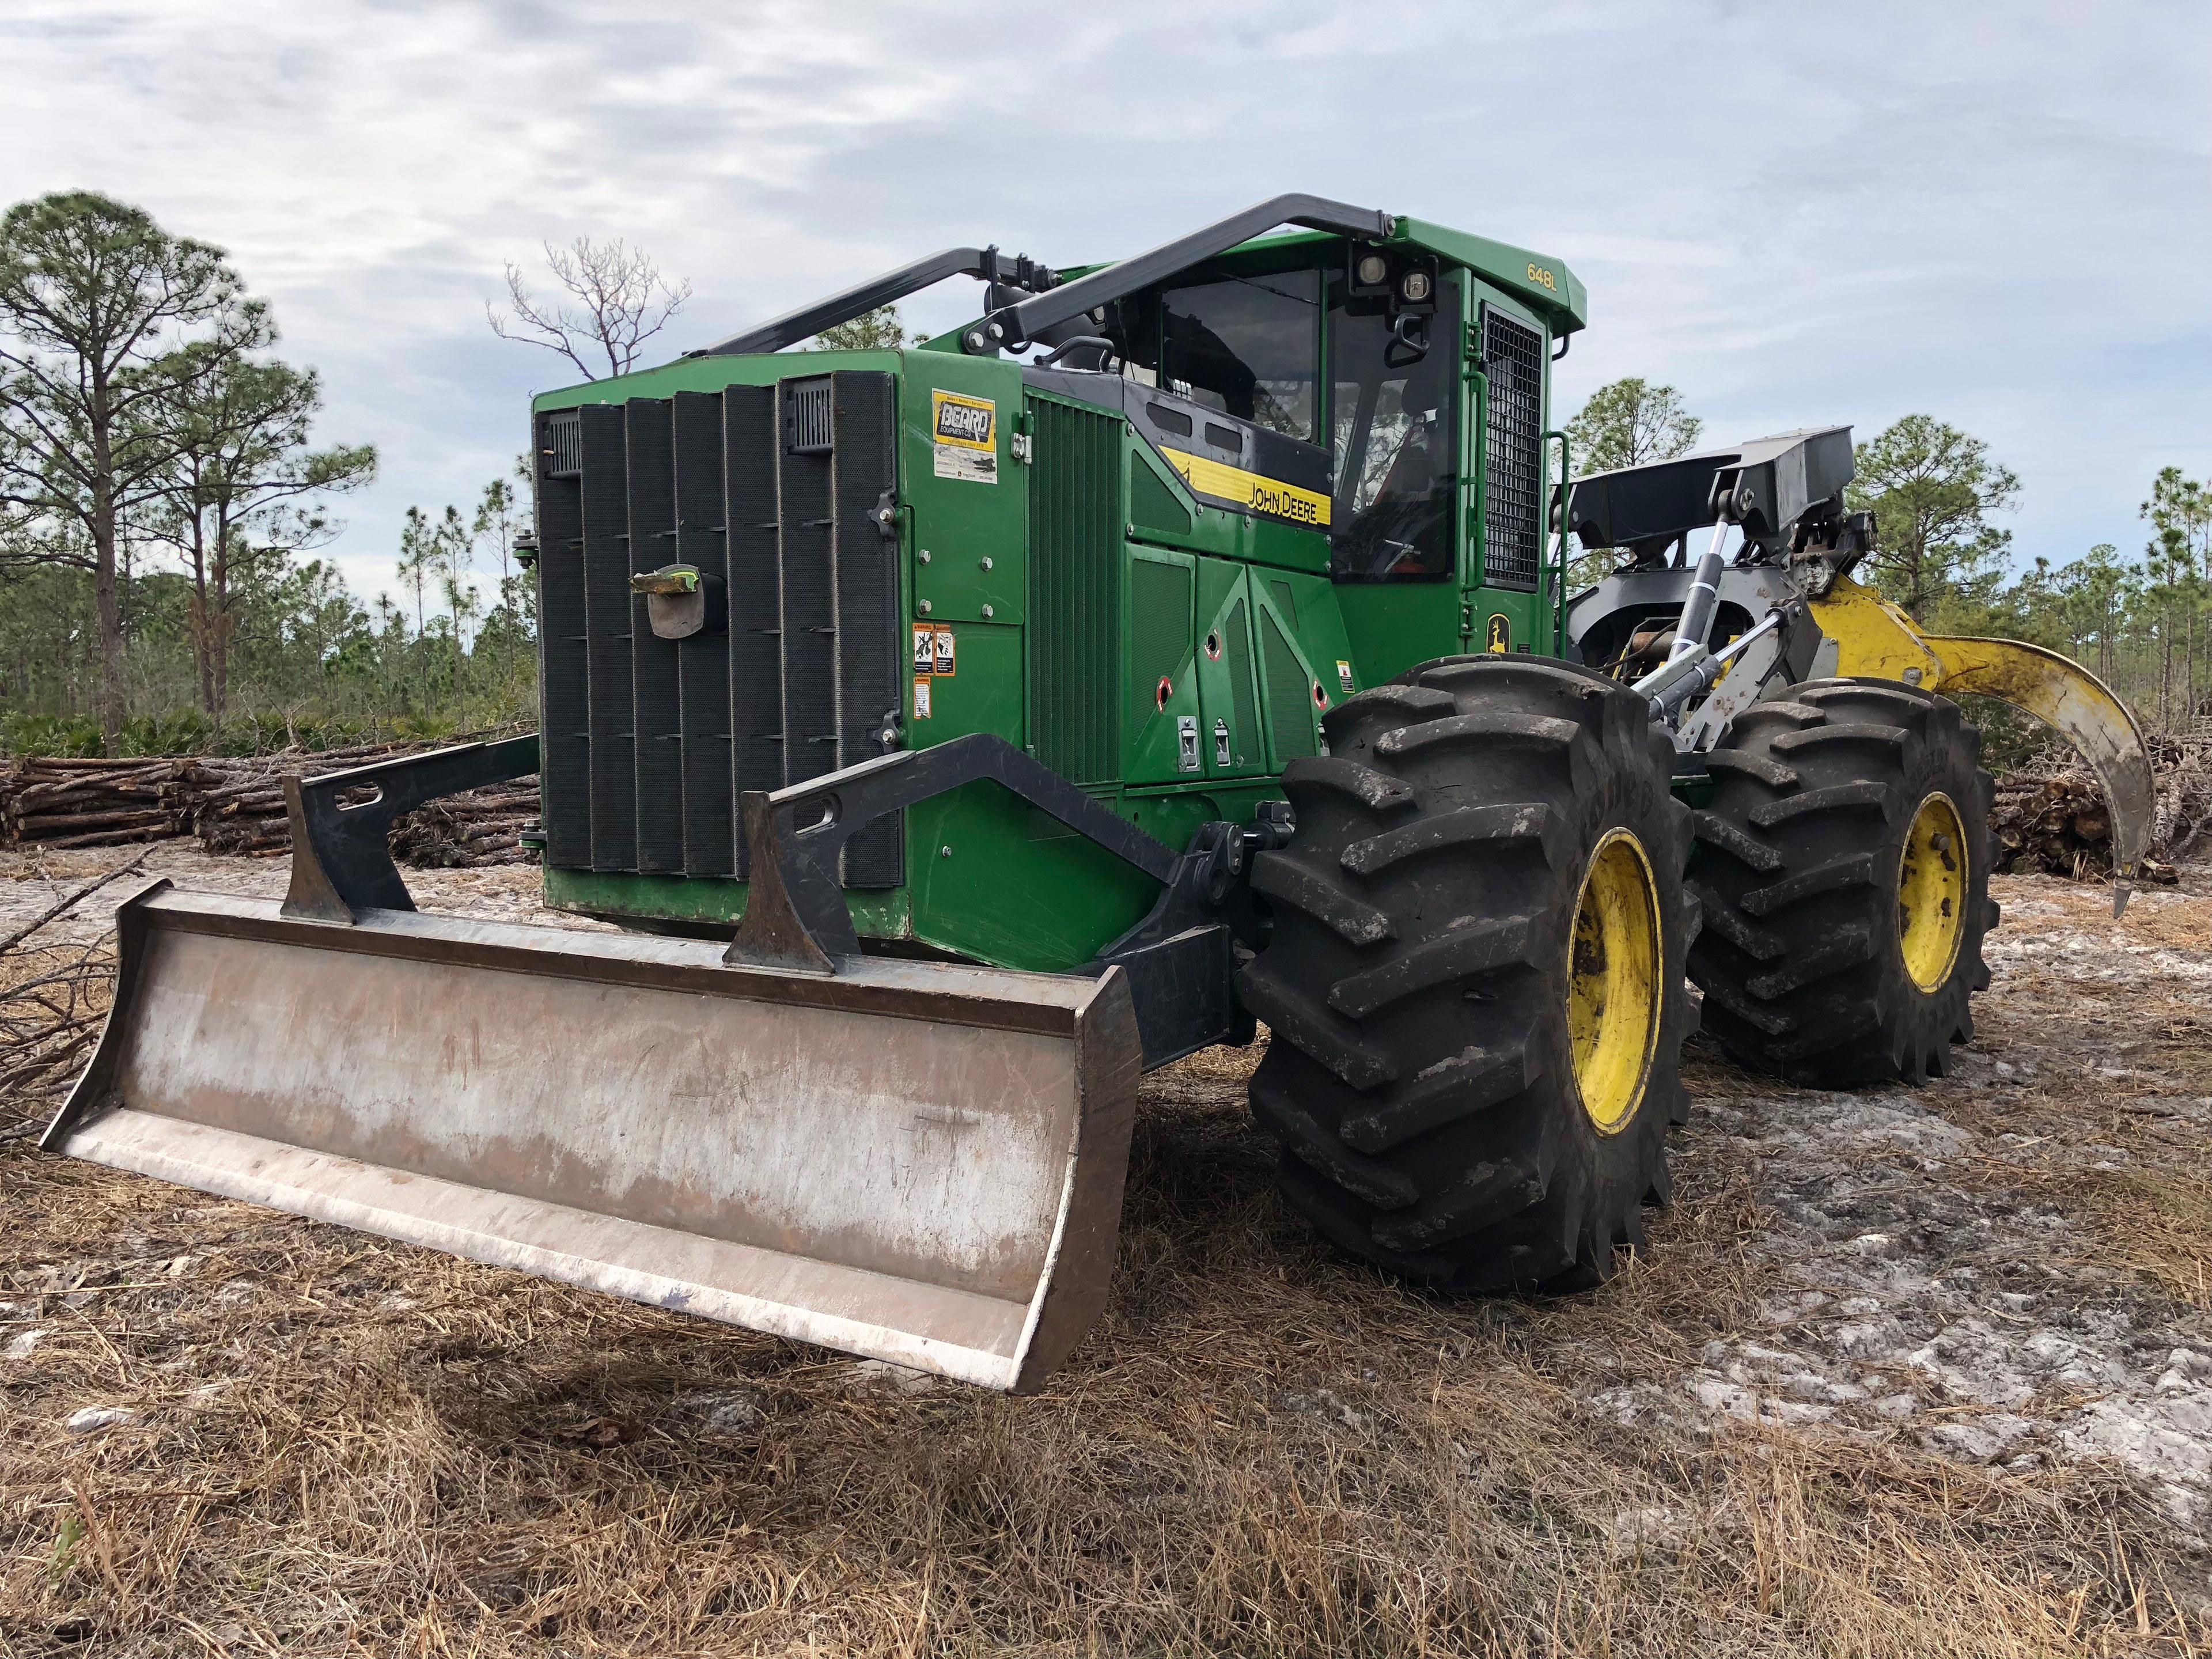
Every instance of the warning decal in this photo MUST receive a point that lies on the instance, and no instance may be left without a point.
(925, 648)
(965, 435)
(943, 666)
(921, 699)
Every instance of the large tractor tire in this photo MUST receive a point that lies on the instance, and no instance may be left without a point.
(1474, 978)
(1844, 871)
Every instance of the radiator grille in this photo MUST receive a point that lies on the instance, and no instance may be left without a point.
(1291, 711)
(1512, 509)
(648, 742)
(1075, 536)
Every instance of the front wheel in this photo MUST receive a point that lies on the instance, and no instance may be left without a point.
(1474, 981)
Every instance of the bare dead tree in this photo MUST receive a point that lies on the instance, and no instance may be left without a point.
(616, 300)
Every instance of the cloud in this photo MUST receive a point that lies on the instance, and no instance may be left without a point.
(1990, 212)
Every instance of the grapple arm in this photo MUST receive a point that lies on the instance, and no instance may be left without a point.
(1876, 639)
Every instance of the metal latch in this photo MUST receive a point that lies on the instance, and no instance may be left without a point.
(680, 600)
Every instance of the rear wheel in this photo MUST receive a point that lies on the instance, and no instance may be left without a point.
(1474, 980)
(1844, 871)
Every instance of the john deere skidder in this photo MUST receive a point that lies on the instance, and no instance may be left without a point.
(960, 731)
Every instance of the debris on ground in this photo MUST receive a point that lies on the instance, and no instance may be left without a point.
(1905, 1370)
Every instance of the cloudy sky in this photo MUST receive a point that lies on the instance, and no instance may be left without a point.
(1996, 213)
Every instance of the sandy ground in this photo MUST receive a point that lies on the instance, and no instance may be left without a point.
(1905, 1372)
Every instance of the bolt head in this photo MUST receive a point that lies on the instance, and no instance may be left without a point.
(922, 606)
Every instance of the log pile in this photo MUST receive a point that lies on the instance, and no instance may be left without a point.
(245, 813)
(467, 831)
(58, 802)
(237, 807)
(242, 811)
(2051, 816)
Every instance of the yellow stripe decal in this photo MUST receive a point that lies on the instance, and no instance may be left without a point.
(1233, 483)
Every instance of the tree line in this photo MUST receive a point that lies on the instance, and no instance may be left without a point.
(164, 502)
(165, 506)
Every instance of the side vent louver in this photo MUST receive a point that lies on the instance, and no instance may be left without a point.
(1075, 596)
(807, 410)
(563, 444)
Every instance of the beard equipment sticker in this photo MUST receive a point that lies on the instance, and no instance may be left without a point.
(964, 434)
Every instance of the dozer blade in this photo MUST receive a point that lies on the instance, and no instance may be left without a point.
(918, 1163)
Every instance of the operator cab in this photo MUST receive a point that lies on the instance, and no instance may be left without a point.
(1280, 364)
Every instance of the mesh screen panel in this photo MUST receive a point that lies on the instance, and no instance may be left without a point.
(1159, 609)
(1290, 694)
(1152, 505)
(1512, 503)
(1246, 740)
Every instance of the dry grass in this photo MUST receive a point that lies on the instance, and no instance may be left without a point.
(2136, 1045)
(343, 1445)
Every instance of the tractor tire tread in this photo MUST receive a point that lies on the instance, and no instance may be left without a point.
(1835, 1007)
(1422, 1085)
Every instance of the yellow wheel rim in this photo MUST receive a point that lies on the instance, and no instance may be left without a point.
(1931, 892)
(1613, 974)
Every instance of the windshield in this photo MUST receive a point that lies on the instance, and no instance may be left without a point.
(1248, 347)
(1393, 449)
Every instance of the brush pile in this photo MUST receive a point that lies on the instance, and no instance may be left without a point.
(236, 805)
(2051, 816)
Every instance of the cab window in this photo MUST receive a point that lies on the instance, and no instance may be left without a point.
(1394, 448)
(1249, 346)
